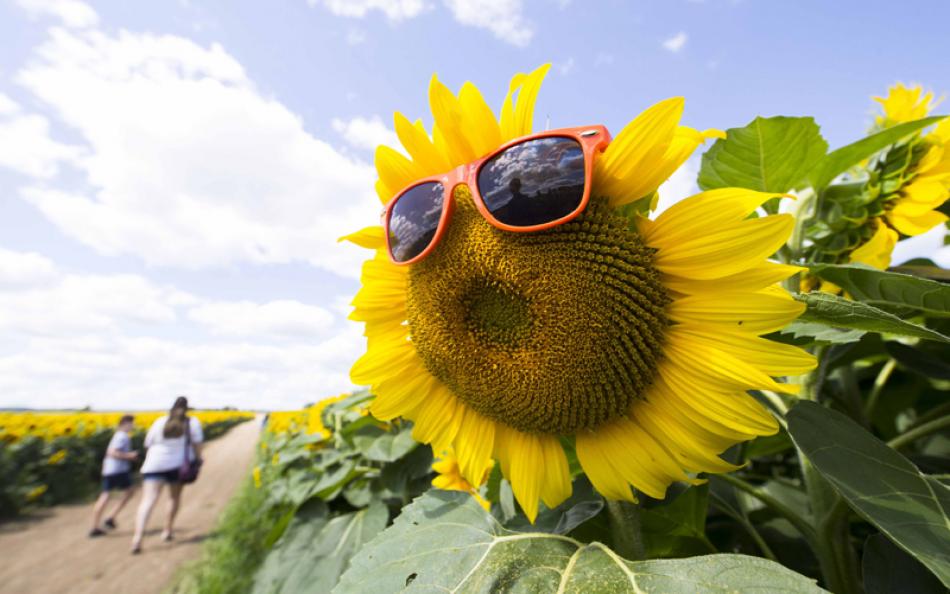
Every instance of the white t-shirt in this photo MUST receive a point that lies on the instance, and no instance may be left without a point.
(166, 454)
(122, 442)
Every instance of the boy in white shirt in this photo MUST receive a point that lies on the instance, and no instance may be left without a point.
(116, 475)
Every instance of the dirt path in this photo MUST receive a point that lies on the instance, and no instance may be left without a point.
(52, 554)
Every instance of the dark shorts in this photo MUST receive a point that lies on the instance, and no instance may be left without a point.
(168, 476)
(117, 482)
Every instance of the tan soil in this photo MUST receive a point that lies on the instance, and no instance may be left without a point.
(50, 552)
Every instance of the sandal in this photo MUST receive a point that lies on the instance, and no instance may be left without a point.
(96, 532)
(110, 524)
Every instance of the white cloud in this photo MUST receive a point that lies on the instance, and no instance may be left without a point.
(395, 10)
(283, 318)
(122, 341)
(676, 43)
(189, 165)
(503, 18)
(19, 269)
(77, 303)
(72, 13)
(138, 372)
(7, 105)
(366, 133)
(26, 145)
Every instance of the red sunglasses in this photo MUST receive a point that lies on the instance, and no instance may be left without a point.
(529, 184)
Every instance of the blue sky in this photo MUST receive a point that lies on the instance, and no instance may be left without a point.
(173, 175)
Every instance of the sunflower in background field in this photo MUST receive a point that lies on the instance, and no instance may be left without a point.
(450, 477)
(632, 339)
(913, 177)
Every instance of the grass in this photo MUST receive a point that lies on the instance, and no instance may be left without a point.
(234, 550)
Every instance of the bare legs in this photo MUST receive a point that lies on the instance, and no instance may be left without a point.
(150, 493)
(103, 501)
(175, 492)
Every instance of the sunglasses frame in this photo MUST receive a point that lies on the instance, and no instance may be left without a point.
(593, 139)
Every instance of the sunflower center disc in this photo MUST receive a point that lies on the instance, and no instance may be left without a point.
(547, 332)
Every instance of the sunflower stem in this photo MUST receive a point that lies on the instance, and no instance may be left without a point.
(777, 506)
(878, 387)
(919, 431)
(625, 529)
(832, 541)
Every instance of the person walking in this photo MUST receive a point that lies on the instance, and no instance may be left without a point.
(171, 441)
(116, 475)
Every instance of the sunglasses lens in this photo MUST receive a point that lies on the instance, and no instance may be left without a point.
(414, 220)
(535, 182)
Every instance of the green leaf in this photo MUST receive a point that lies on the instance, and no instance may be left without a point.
(804, 333)
(919, 360)
(445, 542)
(888, 569)
(677, 528)
(831, 310)
(768, 155)
(840, 160)
(316, 549)
(386, 447)
(878, 287)
(878, 483)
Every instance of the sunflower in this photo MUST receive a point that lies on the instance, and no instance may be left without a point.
(450, 477)
(904, 104)
(632, 340)
(922, 165)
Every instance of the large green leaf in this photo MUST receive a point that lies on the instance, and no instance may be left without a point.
(887, 569)
(769, 155)
(316, 549)
(878, 483)
(445, 542)
(831, 310)
(840, 160)
(877, 287)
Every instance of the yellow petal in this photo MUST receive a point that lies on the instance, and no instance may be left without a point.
(479, 121)
(556, 485)
(373, 237)
(524, 109)
(727, 250)
(694, 216)
(916, 225)
(448, 120)
(753, 279)
(507, 119)
(772, 358)
(438, 418)
(420, 147)
(729, 413)
(716, 365)
(758, 313)
(693, 448)
(877, 251)
(400, 396)
(600, 469)
(394, 170)
(473, 446)
(523, 465)
(641, 141)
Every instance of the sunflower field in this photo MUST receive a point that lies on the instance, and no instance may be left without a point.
(53, 457)
(738, 393)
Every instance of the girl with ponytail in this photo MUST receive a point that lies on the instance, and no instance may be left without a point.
(171, 441)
